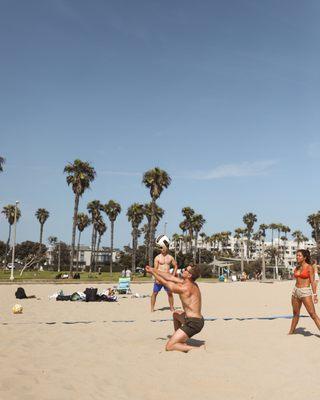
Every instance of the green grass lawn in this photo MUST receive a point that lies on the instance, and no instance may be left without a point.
(84, 276)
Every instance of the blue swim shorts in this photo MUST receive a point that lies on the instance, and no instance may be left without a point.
(157, 287)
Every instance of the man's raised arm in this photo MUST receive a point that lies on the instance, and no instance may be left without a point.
(167, 276)
(175, 287)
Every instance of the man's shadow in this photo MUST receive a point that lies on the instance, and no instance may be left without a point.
(304, 332)
(167, 308)
(190, 342)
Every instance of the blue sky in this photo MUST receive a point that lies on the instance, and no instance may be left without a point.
(222, 95)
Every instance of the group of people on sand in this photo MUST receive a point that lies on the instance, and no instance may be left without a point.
(190, 321)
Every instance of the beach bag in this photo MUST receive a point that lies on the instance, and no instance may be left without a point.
(91, 294)
(75, 297)
(20, 293)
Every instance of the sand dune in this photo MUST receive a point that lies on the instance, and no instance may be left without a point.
(72, 350)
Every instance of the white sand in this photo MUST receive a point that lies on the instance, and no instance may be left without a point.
(126, 360)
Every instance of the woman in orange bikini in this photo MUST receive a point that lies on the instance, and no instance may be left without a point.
(304, 289)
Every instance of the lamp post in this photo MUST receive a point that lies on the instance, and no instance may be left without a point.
(165, 228)
(14, 240)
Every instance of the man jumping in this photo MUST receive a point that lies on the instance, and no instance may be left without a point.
(189, 322)
(162, 262)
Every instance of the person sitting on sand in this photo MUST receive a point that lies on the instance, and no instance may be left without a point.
(189, 322)
(304, 289)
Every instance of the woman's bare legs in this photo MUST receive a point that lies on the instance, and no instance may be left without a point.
(308, 303)
(296, 305)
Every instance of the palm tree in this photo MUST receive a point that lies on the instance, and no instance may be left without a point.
(197, 223)
(112, 209)
(83, 221)
(135, 215)
(9, 212)
(94, 207)
(101, 229)
(188, 214)
(159, 213)
(314, 221)
(2, 162)
(79, 175)
(42, 215)
(176, 239)
(299, 238)
(249, 219)
(184, 227)
(273, 226)
(156, 180)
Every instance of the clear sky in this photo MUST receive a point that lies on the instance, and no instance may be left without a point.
(223, 95)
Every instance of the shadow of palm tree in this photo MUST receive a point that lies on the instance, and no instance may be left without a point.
(304, 332)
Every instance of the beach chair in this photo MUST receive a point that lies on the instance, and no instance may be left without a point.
(124, 286)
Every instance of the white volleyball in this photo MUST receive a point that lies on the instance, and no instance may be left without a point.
(17, 309)
(163, 240)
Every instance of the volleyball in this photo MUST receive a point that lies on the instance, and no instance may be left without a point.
(17, 309)
(163, 240)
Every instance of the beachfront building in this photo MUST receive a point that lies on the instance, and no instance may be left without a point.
(102, 258)
(285, 248)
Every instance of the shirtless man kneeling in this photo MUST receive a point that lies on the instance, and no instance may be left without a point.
(162, 262)
(189, 322)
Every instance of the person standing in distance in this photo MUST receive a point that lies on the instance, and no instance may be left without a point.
(163, 262)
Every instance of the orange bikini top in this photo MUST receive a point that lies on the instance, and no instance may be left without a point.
(304, 274)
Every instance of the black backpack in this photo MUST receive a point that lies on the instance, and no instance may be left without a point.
(20, 293)
(91, 294)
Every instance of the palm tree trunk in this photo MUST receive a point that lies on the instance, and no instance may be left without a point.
(7, 247)
(40, 243)
(92, 248)
(96, 264)
(195, 248)
(134, 249)
(78, 251)
(95, 250)
(111, 247)
(74, 227)
(152, 227)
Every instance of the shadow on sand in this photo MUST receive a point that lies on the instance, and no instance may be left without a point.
(190, 342)
(304, 332)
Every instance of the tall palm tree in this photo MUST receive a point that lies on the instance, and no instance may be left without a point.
(299, 237)
(249, 219)
(197, 224)
(159, 213)
(273, 226)
(101, 230)
(188, 214)
(112, 209)
(156, 180)
(79, 175)
(94, 207)
(184, 227)
(9, 212)
(42, 215)
(2, 162)
(135, 214)
(83, 221)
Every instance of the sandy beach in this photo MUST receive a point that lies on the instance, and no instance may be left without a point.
(77, 350)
